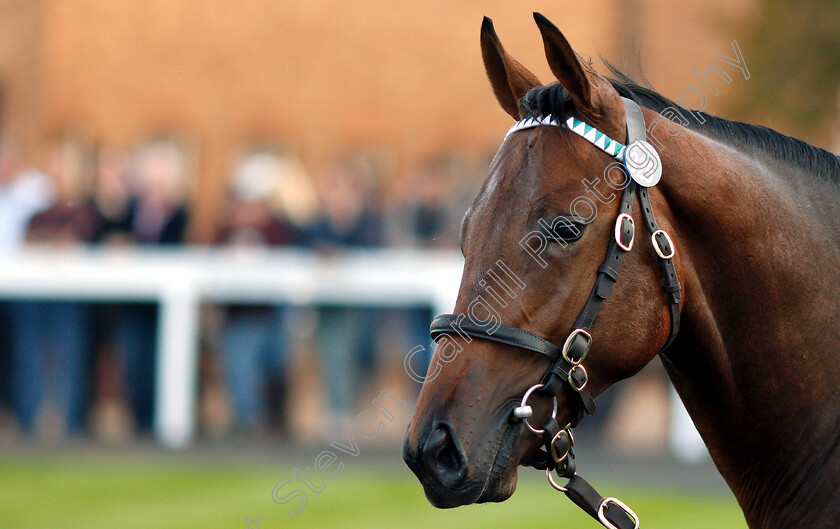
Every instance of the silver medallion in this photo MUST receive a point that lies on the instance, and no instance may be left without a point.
(643, 163)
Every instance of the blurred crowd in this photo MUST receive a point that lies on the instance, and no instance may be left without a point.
(65, 363)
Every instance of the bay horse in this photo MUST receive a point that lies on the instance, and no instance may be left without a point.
(748, 327)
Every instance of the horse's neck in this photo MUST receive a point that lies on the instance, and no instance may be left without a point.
(757, 360)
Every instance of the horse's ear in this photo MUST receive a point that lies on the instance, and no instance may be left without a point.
(589, 89)
(510, 80)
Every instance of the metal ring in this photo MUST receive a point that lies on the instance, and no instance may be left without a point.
(617, 232)
(572, 380)
(556, 485)
(621, 506)
(568, 344)
(658, 249)
(524, 404)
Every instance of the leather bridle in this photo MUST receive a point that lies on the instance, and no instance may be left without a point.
(566, 370)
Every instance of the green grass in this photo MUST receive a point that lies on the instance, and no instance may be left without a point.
(106, 491)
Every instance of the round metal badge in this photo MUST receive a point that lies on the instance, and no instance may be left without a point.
(643, 163)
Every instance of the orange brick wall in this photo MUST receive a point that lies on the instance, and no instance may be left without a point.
(319, 76)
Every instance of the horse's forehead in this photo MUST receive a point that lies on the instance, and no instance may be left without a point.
(508, 188)
(526, 169)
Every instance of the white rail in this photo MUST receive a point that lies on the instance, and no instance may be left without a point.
(181, 279)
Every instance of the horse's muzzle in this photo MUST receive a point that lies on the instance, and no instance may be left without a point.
(441, 466)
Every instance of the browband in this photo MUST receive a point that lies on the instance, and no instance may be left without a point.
(582, 129)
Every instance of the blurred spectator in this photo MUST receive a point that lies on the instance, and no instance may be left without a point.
(51, 340)
(140, 201)
(424, 215)
(424, 207)
(158, 211)
(112, 197)
(349, 219)
(111, 419)
(263, 188)
(23, 194)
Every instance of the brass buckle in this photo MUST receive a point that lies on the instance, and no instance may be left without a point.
(572, 382)
(627, 510)
(617, 232)
(658, 248)
(554, 456)
(569, 343)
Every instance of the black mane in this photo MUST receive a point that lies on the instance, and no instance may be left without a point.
(553, 99)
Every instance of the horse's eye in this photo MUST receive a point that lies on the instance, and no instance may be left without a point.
(562, 228)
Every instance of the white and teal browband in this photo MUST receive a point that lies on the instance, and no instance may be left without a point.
(585, 131)
(639, 158)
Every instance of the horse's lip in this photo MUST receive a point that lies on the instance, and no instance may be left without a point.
(510, 439)
(464, 495)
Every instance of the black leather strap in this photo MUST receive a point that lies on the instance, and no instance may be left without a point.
(558, 374)
(672, 287)
(609, 270)
(607, 277)
(461, 324)
(636, 129)
(587, 498)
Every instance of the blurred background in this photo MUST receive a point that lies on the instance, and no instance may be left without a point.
(224, 226)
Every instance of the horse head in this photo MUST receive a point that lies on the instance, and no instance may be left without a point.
(535, 239)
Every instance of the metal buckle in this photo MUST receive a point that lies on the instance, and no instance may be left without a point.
(617, 233)
(658, 248)
(569, 343)
(556, 485)
(523, 411)
(554, 456)
(572, 382)
(621, 506)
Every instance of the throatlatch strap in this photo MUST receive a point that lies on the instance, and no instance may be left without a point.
(672, 287)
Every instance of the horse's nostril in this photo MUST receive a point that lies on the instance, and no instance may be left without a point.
(443, 457)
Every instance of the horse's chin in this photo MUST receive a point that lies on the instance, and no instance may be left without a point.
(499, 489)
(495, 487)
